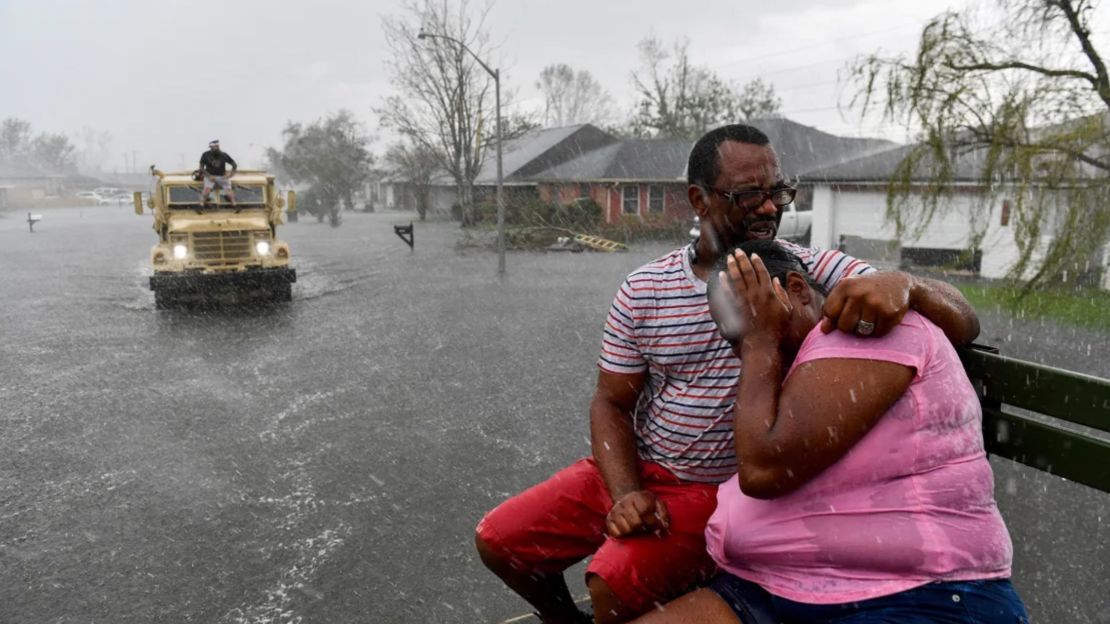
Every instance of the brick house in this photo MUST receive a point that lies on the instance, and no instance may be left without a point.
(628, 178)
(645, 177)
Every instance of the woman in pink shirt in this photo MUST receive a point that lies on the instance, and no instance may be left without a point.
(864, 493)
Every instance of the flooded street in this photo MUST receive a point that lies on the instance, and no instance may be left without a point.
(326, 460)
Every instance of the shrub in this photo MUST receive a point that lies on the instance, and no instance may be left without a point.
(650, 227)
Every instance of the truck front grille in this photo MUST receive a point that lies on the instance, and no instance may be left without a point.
(222, 248)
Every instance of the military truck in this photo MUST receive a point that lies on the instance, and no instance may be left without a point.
(215, 250)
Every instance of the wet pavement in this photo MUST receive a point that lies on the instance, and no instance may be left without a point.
(326, 460)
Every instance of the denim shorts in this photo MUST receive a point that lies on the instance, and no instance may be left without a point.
(956, 602)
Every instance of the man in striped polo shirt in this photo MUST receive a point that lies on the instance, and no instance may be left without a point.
(661, 415)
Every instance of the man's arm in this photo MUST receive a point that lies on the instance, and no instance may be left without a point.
(234, 165)
(883, 298)
(613, 441)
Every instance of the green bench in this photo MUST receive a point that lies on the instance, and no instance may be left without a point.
(1042, 416)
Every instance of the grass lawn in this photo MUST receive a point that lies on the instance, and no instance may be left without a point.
(1087, 308)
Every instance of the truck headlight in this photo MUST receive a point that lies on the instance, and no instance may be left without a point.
(262, 247)
(180, 251)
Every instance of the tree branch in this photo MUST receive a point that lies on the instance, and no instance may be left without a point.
(1054, 73)
(1102, 85)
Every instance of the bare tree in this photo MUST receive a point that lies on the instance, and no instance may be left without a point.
(446, 104)
(757, 100)
(678, 99)
(1030, 98)
(415, 165)
(93, 148)
(15, 139)
(53, 152)
(572, 97)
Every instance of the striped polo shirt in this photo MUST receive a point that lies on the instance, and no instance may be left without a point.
(660, 322)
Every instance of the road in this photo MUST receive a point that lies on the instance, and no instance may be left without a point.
(326, 460)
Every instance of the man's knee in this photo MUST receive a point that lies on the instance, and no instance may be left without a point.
(493, 559)
(609, 608)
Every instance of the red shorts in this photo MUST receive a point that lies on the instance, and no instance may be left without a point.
(553, 525)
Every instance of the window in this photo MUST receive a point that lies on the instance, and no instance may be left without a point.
(630, 199)
(655, 199)
(584, 190)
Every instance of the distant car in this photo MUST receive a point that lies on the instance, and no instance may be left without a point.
(92, 197)
(797, 223)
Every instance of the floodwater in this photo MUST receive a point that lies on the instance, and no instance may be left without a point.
(326, 460)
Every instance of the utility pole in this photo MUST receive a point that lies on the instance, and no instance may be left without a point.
(496, 74)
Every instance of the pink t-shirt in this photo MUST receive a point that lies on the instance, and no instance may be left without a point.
(912, 502)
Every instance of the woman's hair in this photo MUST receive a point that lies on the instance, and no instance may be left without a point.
(776, 258)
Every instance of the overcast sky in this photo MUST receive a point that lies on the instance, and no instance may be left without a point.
(164, 77)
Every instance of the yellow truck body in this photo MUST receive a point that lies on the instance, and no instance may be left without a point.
(211, 249)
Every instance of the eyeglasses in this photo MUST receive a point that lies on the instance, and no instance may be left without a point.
(749, 200)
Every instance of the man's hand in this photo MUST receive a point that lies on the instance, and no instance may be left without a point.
(868, 305)
(637, 512)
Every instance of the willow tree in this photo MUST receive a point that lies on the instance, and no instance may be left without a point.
(1026, 100)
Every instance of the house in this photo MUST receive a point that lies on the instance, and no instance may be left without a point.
(973, 230)
(23, 184)
(850, 199)
(628, 178)
(522, 157)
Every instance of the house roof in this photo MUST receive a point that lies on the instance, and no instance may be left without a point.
(631, 159)
(881, 167)
(534, 151)
(799, 147)
(585, 153)
(21, 171)
(802, 148)
(540, 149)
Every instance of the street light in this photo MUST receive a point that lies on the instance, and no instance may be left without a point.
(496, 73)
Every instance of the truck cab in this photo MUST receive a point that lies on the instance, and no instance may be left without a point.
(207, 250)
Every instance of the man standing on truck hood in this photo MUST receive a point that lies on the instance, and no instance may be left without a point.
(213, 164)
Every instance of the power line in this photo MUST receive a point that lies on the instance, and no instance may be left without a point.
(822, 43)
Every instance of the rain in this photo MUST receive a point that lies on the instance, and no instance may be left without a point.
(294, 402)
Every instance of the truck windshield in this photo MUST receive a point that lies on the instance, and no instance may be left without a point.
(190, 196)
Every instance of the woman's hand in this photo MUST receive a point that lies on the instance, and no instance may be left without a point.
(762, 303)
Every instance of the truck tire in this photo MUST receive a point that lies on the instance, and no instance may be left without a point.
(282, 293)
(162, 300)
